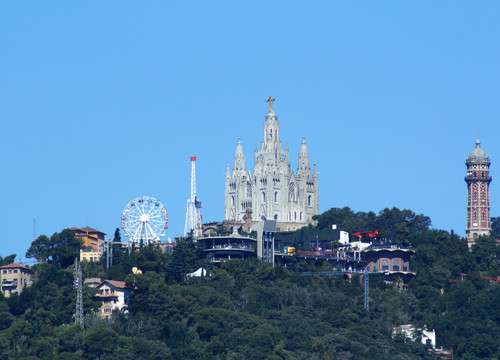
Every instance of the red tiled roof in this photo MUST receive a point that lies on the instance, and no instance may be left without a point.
(15, 266)
(116, 283)
(87, 229)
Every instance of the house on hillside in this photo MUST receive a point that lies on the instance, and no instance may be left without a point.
(114, 296)
(92, 243)
(14, 278)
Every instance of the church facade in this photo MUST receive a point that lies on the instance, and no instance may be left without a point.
(273, 191)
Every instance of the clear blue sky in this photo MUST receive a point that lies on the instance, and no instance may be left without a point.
(103, 101)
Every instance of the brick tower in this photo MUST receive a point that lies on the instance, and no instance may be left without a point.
(478, 194)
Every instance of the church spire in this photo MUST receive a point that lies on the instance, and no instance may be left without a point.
(239, 157)
(303, 159)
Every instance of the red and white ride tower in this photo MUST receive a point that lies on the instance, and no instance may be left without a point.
(193, 211)
(478, 194)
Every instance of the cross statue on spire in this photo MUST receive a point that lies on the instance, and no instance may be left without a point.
(270, 101)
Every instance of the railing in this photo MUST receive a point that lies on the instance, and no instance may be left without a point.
(229, 247)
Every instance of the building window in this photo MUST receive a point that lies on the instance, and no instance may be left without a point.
(483, 217)
(395, 265)
(475, 215)
(263, 196)
(292, 192)
(482, 195)
(295, 215)
(475, 174)
(475, 195)
(309, 200)
(385, 265)
(276, 197)
(232, 200)
(405, 266)
(15, 271)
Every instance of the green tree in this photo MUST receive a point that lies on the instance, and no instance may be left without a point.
(62, 248)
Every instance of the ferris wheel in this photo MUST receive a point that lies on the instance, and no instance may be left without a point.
(144, 219)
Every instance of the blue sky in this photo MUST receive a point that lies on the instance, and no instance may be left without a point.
(101, 102)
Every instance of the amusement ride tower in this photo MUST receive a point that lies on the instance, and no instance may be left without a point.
(193, 211)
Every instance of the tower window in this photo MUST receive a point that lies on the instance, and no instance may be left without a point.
(475, 215)
(475, 174)
(482, 195)
(309, 200)
(276, 197)
(483, 217)
(263, 197)
(385, 265)
(395, 265)
(475, 195)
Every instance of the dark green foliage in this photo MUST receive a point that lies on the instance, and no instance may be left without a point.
(61, 249)
(248, 310)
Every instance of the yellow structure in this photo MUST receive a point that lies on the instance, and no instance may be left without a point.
(91, 238)
(90, 255)
(14, 278)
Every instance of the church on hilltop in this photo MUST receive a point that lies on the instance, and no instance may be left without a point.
(273, 191)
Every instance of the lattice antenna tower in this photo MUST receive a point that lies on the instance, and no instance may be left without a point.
(193, 211)
(78, 285)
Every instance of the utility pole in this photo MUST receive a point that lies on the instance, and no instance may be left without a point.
(78, 285)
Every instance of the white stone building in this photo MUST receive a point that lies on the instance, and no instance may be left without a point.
(273, 191)
(114, 296)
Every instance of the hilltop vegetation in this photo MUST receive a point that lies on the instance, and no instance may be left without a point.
(247, 310)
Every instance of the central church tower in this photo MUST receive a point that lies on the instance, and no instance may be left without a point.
(273, 191)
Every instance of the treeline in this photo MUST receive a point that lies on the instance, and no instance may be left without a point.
(248, 310)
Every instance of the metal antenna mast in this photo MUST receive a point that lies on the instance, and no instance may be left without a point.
(77, 284)
(193, 211)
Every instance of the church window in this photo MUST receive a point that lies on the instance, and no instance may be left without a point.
(276, 217)
(475, 195)
(482, 173)
(232, 200)
(385, 265)
(483, 217)
(301, 216)
(249, 190)
(475, 215)
(263, 196)
(395, 265)
(482, 195)
(292, 192)
(276, 197)
(289, 216)
(271, 133)
(309, 200)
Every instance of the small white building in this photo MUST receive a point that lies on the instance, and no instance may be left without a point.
(114, 296)
(411, 333)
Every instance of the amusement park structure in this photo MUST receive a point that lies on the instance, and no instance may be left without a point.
(144, 220)
(193, 211)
